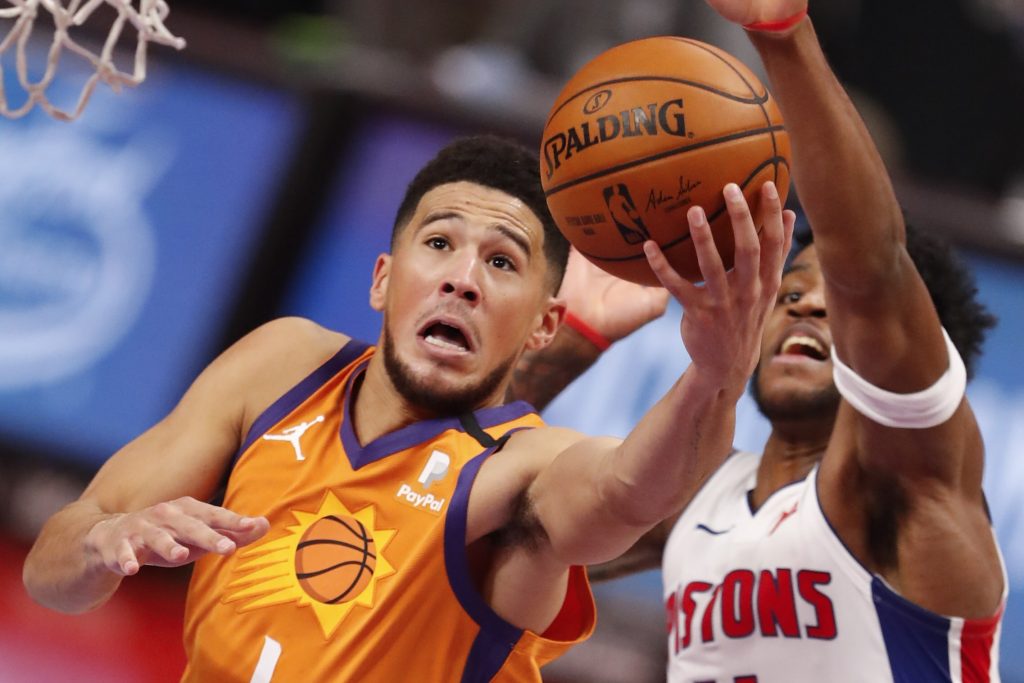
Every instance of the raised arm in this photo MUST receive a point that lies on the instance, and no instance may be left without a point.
(901, 482)
(147, 505)
(884, 324)
(598, 496)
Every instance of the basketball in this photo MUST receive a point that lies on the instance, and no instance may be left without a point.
(335, 559)
(646, 130)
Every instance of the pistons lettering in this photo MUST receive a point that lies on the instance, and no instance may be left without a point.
(651, 119)
(767, 603)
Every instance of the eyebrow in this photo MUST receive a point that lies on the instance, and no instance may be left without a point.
(518, 238)
(795, 268)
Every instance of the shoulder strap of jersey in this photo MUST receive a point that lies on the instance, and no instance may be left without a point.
(473, 428)
(349, 352)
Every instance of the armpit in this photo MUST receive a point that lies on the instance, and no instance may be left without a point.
(524, 528)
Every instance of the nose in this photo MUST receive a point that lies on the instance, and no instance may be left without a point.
(811, 304)
(462, 280)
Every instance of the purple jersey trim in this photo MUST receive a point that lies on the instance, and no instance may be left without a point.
(291, 400)
(416, 433)
(303, 390)
(916, 640)
(497, 637)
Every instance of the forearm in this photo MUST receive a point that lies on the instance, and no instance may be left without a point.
(857, 214)
(60, 572)
(629, 563)
(644, 555)
(666, 459)
(541, 375)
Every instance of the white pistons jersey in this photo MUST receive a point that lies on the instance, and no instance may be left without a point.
(775, 597)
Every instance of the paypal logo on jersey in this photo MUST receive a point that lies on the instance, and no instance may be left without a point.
(424, 501)
(435, 470)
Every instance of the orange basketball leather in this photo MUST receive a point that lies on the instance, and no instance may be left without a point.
(645, 131)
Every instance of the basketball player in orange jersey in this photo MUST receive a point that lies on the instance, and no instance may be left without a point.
(379, 514)
(857, 547)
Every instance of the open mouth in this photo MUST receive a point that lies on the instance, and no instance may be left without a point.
(802, 345)
(445, 336)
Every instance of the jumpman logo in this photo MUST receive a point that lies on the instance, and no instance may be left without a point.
(293, 434)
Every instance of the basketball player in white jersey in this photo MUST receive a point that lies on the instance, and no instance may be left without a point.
(857, 547)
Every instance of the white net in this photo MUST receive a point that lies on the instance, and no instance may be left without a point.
(147, 20)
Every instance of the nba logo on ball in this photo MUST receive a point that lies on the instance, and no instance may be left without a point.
(645, 131)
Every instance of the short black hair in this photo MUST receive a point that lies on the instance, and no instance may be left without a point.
(952, 288)
(497, 163)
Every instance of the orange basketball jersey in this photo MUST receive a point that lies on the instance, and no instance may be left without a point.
(364, 574)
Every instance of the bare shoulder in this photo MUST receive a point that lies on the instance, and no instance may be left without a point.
(505, 476)
(541, 444)
(527, 453)
(186, 452)
(292, 335)
(500, 490)
(276, 356)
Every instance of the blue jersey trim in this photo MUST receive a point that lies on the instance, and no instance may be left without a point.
(916, 640)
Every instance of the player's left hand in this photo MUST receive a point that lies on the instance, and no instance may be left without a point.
(746, 12)
(611, 306)
(724, 317)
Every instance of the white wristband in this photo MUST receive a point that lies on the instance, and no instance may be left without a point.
(921, 409)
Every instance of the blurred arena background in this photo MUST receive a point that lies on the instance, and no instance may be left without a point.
(256, 174)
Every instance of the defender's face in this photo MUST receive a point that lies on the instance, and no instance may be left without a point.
(794, 374)
(464, 292)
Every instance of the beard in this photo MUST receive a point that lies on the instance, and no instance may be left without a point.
(814, 404)
(438, 401)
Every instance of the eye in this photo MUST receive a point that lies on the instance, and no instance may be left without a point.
(437, 243)
(502, 263)
(790, 297)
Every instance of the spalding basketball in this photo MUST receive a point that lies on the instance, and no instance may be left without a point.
(335, 559)
(645, 131)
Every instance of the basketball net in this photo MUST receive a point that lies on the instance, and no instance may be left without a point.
(147, 21)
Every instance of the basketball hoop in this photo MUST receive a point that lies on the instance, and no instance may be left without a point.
(147, 20)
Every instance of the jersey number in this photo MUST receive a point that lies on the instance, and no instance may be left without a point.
(268, 661)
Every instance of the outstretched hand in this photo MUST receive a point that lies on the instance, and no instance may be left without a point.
(724, 317)
(746, 12)
(613, 307)
(170, 534)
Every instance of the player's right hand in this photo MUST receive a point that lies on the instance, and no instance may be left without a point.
(724, 317)
(170, 534)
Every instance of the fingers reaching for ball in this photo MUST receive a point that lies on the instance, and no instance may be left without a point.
(170, 534)
(724, 315)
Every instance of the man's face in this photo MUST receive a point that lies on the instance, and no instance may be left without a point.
(793, 379)
(463, 293)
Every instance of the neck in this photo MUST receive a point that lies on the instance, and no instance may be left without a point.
(379, 408)
(791, 452)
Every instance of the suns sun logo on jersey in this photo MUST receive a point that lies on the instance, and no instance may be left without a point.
(331, 561)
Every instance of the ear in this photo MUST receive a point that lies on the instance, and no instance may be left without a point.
(379, 287)
(548, 322)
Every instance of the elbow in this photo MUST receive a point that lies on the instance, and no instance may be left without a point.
(35, 586)
(45, 593)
